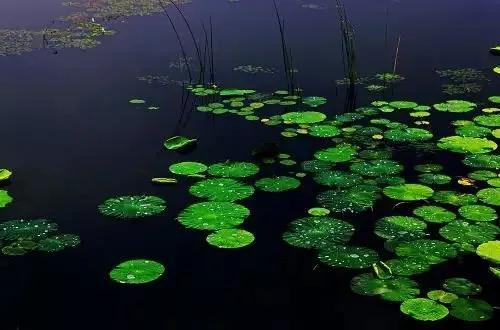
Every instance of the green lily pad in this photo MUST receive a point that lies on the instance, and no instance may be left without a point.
(424, 309)
(408, 266)
(455, 106)
(434, 178)
(408, 135)
(318, 232)
(391, 289)
(348, 256)
(489, 251)
(230, 238)
(408, 192)
(462, 286)
(5, 174)
(304, 117)
(137, 271)
(187, 168)
(277, 184)
(58, 242)
(478, 212)
(483, 161)
(434, 214)
(403, 104)
(482, 175)
(463, 232)
(433, 251)
(318, 211)
(233, 169)
(4, 198)
(178, 142)
(338, 179)
(489, 196)
(442, 296)
(473, 310)
(454, 198)
(488, 120)
(380, 167)
(341, 153)
(473, 131)
(316, 166)
(26, 230)
(324, 131)
(494, 99)
(314, 101)
(236, 92)
(428, 168)
(213, 215)
(395, 227)
(353, 200)
(467, 144)
(221, 190)
(129, 207)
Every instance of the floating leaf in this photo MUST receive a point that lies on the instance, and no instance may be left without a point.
(428, 168)
(4, 198)
(395, 227)
(391, 289)
(324, 131)
(424, 309)
(213, 215)
(230, 238)
(467, 144)
(488, 120)
(489, 251)
(316, 166)
(221, 190)
(137, 271)
(187, 168)
(233, 169)
(318, 211)
(128, 207)
(435, 214)
(408, 266)
(455, 106)
(137, 101)
(403, 104)
(15, 230)
(478, 212)
(341, 153)
(178, 142)
(434, 178)
(463, 232)
(408, 135)
(277, 184)
(489, 196)
(314, 101)
(454, 198)
(467, 309)
(483, 161)
(338, 178)
(380, 167)
(4, 174)
(318, 232)
(304, 117)
(58, 242)
(432, 251)
(164, 180)
(408, 192)
(354, 200)
(462, 286)
(348, 256)
(236, 92)
(443, 296)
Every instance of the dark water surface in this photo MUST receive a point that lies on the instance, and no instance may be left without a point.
(72, 141)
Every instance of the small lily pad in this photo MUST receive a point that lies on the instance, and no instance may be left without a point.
(277, 184)
(221, 190)
(4, 198)
(213, 215)
(230, 238)
(5, 174)
(137, 271)
(424, 309)
(489, 251)
(348, 256)
(178, 142)
(233, 169)
(408, 192)
(187, 168)
(473, 310)
(433, 251)
(461, 286)
(129, 207)
(478, 212)
(304, 117)
(391, 289)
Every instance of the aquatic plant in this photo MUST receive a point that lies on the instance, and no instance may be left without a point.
(463, 144)
(456, 106)
(408, 192)
(231, 169)
(391, 289)
(277, 184)
(137, 271)
(434, 214)
(304, 117)
(129, 207)
(5, 174)
(5, 198)
(432, 251)
(424, 309)
(188, 168)
(489, 251)
(221, 190)
(348, 256)
(478, 213)
(179, 142)
(468, 309)
(213, 215)
(230, 238)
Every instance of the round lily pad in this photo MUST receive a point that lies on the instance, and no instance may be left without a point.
(434, 178)
(304, 117)
(408, 135)
(408, 192)
(26, 230)
(340, 153)
(213, 215)
(315, 166)
(478, 212)
(391, 289)
(128, 207)
(435, 214)
(428, 168)
(482, 175)
(467, 144)
(377, 167)
(403, 104)
(492, 120)
(424, 309)
(277, 184)
(221, 190)
(314, 101)
(178, 142)
(483, 161)
(58, 242)
(455, 106)
(5, 198)
(348, 256)
(454, 198)
(464, 232)
(473, 310)
(354, 199)
(442, 296)
(433, 251)
(489, 251)
(461, 286)
(5, 174)
(230, 238)
(394, 227)
(324, 131)
(318, 211)
(338, 178)
(472, 131)
(408, 266)
(137, 271)
(233, 169)
(489, 196)
(187, 168)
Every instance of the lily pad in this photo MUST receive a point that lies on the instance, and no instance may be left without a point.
(187, 168)
(304, 117)
(178, 142)
(463, 232)
(408, 135)
(473, 310)
(428, 168)
(4, 174)
(408, 266)
(27, 230)
(461, 286)
(455, 106)
(424, 309)
(403, 104)
(277, 184)
(129, 207)
(395, 227)
(353, 200)
(478, 212)
(4, 198)
(380, 167)
(136, 101)
(391, 289)
(488, 120)
(338, 179)
(433, 251)
(489, 196)
(138, 271)
(434, 178)
(324, 131)
(442, 296)
(341, 153)
(489, 251)
(467, 144)
(318, 232)
(213, 215)
(318, 211)
(58, 242)
(348, 256)
(454, 198)
(434, 214)
(408, 192)
(233, 169)
(314, 101)
(230, 238)
(221, 190)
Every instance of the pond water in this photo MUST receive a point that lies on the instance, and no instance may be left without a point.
(72, 140)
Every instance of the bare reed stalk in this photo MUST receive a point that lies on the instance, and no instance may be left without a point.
(396, 56)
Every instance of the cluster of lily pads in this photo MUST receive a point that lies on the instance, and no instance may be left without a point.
(378, 83)
(462, 81)
(359, 167)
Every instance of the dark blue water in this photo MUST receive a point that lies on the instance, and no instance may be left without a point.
(72, 141)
